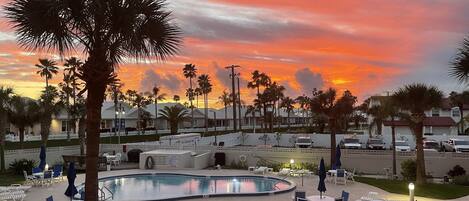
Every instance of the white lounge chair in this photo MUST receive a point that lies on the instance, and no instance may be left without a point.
(340, 177)
(17, 195)
(29, 179)
(350, 175)
(260, 170)
(117, 160)
(284, 172)
(15, 187)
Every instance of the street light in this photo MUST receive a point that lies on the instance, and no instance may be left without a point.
(291, 163)
(120, 113)
(411, 191)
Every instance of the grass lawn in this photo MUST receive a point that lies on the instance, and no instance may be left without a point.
(7, 179)
(436, 191)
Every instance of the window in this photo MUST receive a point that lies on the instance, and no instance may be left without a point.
(103, 124)
(64, 126)
(435, 112)
(455, 112)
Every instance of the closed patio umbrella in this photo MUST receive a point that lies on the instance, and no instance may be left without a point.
(337, 163)
(42, 158)
(322, 178)
(71, 175)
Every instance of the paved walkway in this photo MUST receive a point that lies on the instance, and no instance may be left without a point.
(309, 185)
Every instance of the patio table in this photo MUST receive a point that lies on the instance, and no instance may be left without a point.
(318, 198)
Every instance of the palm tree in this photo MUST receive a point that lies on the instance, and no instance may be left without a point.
(251, 109)
(225, 99)
(325, 103)
(379, 116)
(460, 64)
(106, 31)
(390, 111)
(303, 102)
(288, 104)
(205, 87)
(176, 98)
(173, 115)
(22, 113)
(137, 100)
(48, 106)
(459, 100)
(6, 94)
(47, 68)
(190, 72)
(74, 68)
(66, 91)
(416, 99)
(156, 96)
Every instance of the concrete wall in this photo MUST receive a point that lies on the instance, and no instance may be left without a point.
(53, 154)
(202, 161)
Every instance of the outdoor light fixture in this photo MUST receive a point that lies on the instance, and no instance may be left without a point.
(46, 167)
(411, 191)
(292, 161)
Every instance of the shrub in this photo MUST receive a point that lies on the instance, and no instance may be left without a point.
(462, 180)
(18, 166)
(456, 171)
(409, 170)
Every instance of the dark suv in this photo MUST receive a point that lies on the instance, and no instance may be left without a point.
(375, 143)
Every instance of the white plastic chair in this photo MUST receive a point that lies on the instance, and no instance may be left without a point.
(29, 179)
(117, 160)
(351, 175)
(260, 170)
(13, 195)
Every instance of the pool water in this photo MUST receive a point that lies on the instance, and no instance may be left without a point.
(167, 186)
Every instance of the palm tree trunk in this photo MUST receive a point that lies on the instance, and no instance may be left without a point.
(333, 141)
(68, 116)
(461, 110)
(156, 114)
(47, 82)
(81, 134)
(21, 134)
(226, 117)
(2, 142)
(393, 134)
(421, 173)
(138, 120)
(206, 112)
(94, 103)
(192, 107)
(288, 120)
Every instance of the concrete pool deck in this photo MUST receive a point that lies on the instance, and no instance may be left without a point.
(356, 189)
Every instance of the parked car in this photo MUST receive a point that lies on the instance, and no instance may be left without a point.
(350, 143)
(431, 145)
(303, 142)
(456, 145)
(402, 146)
(375, 143)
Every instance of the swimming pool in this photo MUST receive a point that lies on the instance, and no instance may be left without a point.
(163, 186)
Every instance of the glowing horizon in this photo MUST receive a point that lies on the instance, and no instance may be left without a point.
(368, 47)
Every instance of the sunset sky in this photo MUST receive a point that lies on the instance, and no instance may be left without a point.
(368, 47)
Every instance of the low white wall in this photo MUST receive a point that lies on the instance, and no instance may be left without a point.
(202, 161)
(53, 154)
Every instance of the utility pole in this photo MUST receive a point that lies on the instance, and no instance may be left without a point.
(233, 94)
(239, 106)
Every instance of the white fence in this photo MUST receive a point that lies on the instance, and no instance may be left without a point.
(53, 154)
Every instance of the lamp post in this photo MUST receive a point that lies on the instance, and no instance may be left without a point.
(291, 163)
(120, 112)
(411, 191)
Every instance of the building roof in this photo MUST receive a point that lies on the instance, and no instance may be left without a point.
(428, 121)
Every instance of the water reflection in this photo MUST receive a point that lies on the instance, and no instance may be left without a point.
(145, 187)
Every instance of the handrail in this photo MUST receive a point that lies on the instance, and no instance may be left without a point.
(103, 194)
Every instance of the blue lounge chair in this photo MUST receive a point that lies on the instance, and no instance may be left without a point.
(345, 196)
(50, 198)
(300, 196)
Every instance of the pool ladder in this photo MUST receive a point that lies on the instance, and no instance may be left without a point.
(102, 194)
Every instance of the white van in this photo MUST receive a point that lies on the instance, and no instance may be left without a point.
(304, 142)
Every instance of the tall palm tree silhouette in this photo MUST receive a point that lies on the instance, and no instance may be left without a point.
(47, 68)
(190, 72)
(106, 31)
(205, 87)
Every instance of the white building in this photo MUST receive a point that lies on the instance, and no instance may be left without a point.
(438, 121)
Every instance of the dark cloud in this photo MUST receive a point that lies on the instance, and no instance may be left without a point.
(150, 79)
(308, 80)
